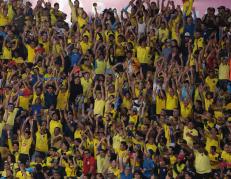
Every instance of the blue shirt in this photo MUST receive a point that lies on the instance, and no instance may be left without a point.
(148, 166)
(74, 58)
(36, 107)
(190, 29)
(123, 176)
(3, 34)
(34, 79)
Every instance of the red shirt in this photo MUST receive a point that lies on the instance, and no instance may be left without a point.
(89, 162)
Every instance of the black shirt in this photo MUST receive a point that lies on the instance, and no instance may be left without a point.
(75, 90)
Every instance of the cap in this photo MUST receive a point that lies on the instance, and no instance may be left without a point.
(187, 34)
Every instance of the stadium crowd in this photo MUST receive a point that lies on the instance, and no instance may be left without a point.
(142, 93)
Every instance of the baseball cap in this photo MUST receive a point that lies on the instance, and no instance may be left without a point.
(187, 34)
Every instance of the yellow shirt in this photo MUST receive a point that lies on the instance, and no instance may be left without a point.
(186, 111)
(123, 155)
(10, 12)
(163, 34)
(173, 26)
(62, 100)
(4, 20)
(53, 125)
(171, 102)
(90, 144)
(85, 47)
(20, 175)
(95, 142)
(226, 156)
(120, 49)
(18, 60)
(53, 16)
(115, 171)
(11, 117)
(41, 142)
(102, 162)
(224, 71)
(188, 139)
(208, 103)
(6, 53)
(133, 119)
(202, 163)
(191, 61)
(99, 107)
(24, 145)
(31, 54)
(138, 142)
(143, 54)
(198, 43)
(214, 160)
(100, 67)
(56, 49)
(172, 159)
(41, 96)
(81, 22)
(180, 168)
(117, 139)
(167, 133)
(151, 147)
(160, 104)
(211, 82)
(70, 171)
(78, 134)
(211, 142)
(127, 103)
(24, 102)
(86, 84)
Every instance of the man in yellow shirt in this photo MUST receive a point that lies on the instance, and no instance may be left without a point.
(143, 56)
(31, 52)
(186, 108)
(10, 115)
(202, 162)
(211, 81)
(190, 134)
(198, 42)
(99, 104)
(74, 10)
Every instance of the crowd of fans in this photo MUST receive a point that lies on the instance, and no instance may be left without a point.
(143, 93)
